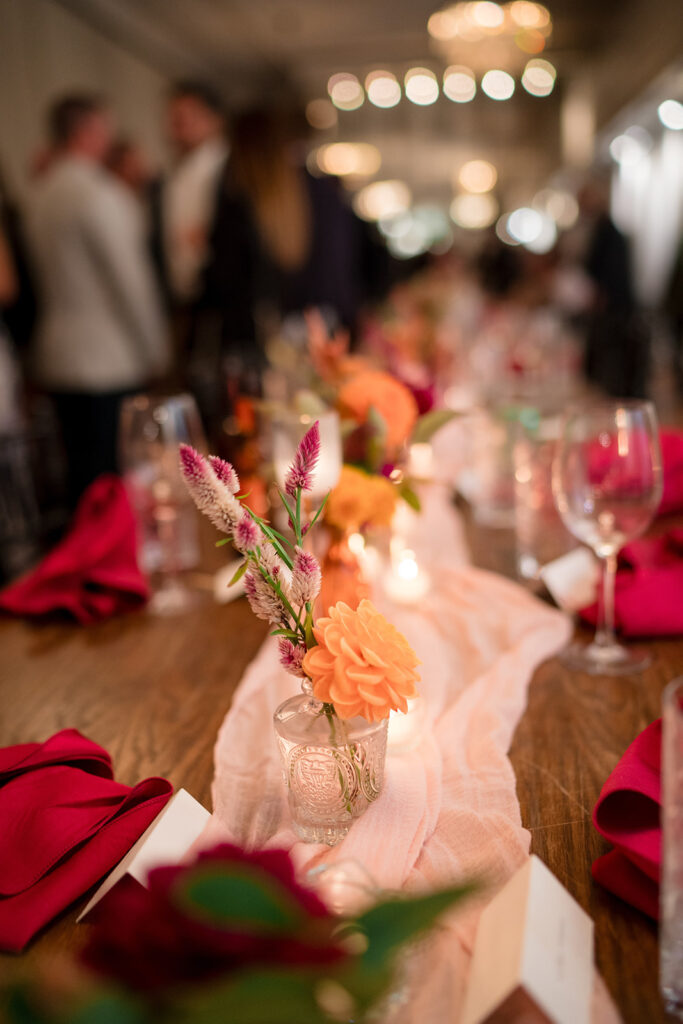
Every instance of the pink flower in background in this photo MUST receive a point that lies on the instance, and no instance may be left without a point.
(225, 473)
(306, 578)
(300, 473)
(247, 535)
(291, 657)
(211, 495)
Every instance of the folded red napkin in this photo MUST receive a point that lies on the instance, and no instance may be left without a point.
(93, 573)
(65, 824)
(648, 598)
(628, 815)
(672, 471)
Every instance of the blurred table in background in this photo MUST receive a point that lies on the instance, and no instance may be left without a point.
(154, 692)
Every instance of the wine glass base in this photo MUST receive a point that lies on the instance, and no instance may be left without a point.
(605, 660)
(172, 599)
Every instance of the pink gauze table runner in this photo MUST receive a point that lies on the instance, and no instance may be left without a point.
(448, 809)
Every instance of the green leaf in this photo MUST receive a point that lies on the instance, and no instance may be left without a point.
(390, 924)
(285, 632)
(316, 517)
(275, 996)
(410, 497)
(430, 423)
(222, 542)
(239, 895)
(378, 437)
(239, 573)
(110, 1008)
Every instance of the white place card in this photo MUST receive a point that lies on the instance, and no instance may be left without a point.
(166, 841)
(572, 579)
(533, 955)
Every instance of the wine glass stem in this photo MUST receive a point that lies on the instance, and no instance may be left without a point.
(605, 635)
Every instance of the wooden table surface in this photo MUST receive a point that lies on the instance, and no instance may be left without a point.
(154, 692)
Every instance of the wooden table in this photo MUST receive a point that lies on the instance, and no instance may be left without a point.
(154, 692)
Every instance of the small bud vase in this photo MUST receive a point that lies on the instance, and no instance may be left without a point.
(333, 768)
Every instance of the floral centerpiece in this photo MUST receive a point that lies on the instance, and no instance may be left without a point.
(355, 666)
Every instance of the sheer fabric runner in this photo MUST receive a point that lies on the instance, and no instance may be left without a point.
(448, 809)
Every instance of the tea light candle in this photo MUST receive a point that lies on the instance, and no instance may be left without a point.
(421, 461)
(405, 582)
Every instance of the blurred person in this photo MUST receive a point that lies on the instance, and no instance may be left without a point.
(100, 334)
(616, 353)
(128, 163)
(185, 206)
(18, 305)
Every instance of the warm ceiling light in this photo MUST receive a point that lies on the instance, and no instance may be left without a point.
(670, 113)
(383, 89)
(345, 91)
(499, 85)
(382, 199)
(529, 15)
(525, 224)
(443, 25)
(459, 84)
(478, 176)
(530, 40)
(349, 158)
(631, 147)
(538, 77)
(421, 86)
(472, 211)
(486, 14)
(321, 114)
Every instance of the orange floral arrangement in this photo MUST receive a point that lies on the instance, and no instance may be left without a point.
(374, 389)
(362, 664)
(360, 499)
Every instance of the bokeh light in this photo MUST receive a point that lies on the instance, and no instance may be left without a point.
(345, 91)
(459, 84)
(443, 25)
(670, 113)
(538, 77)
(321, 114)
(498, 85)
(529, 15)
(421, 86)
(383, 89)
(474, 211)
(558, 204)
(525, 224)
(382, 199)
(631, 147)
(360, 159)
(486, 14)
(478, 176)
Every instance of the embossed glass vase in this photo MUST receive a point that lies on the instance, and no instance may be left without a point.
(333, 768)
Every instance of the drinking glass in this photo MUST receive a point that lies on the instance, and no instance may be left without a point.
(671, 894)
(151, 429)
(607, 484)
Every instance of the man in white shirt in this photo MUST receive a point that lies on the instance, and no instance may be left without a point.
(101, 334)
(196, 131)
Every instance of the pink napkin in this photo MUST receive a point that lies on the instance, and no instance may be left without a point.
(672, 471)
(628, 815)
(649, 588)
(93, 573)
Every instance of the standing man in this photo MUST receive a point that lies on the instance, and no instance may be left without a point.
(101, 334)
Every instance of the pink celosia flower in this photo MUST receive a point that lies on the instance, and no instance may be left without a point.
(291, 657)
(225, 473)
(300, 473)
(274, 566)
(210, 495)
(305, 585)
(247, 535)
(264, 602)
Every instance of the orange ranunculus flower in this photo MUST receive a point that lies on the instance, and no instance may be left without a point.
(362, 664)
(360, 498)
(392, 400)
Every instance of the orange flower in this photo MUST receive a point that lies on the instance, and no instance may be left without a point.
(360, 499)
(392, 400)
(362, 664)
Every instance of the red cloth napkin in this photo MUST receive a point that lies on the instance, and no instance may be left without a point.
(648, 598)
(671, 442)
(628, 815)
(93, 573)
(65, 824)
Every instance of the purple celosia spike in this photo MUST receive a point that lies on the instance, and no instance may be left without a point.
(306, 578)
(300, 473)
(291, 657)
(209, 494)
(264, 602)
(247, 534)
(225, 473)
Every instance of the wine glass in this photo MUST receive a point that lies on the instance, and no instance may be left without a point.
(607, 484)
(151, 428)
